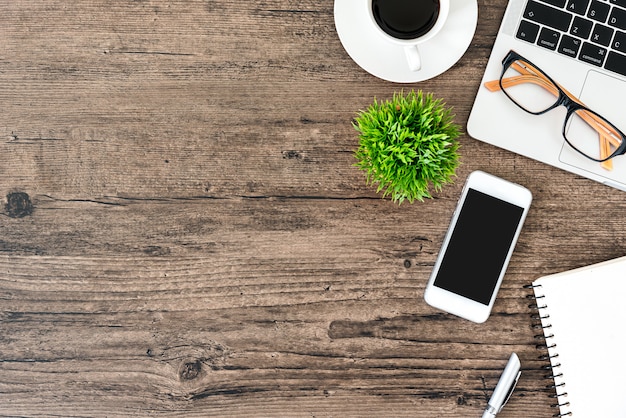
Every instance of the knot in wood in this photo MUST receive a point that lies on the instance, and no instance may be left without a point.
(19, 205)
(190, 370)
(292, 154)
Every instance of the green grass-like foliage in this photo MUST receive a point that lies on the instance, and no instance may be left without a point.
(407, 145)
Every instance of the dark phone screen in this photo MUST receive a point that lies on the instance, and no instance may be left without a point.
(478, 246)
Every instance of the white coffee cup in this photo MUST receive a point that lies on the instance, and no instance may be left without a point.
(408, 23)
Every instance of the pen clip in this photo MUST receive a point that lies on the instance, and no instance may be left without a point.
(508, 395)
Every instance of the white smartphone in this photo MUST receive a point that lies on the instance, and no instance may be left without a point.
(478, 246)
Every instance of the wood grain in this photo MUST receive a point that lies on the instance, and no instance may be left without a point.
(183, 232)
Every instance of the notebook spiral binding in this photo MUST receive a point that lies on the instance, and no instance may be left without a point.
(546, 344)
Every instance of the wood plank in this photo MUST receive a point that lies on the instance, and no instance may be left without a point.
(183, 231)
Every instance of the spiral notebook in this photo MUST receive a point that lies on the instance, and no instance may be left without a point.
(583, 316)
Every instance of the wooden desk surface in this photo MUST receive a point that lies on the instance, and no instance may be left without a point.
(183, 232)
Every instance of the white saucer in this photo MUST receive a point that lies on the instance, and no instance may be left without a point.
(384, 59)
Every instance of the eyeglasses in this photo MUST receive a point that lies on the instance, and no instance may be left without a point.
(585, 130)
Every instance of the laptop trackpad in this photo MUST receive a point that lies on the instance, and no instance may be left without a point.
(605, 95)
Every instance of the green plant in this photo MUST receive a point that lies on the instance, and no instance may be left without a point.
(407, 145)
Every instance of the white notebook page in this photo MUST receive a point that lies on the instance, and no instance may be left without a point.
(587, 316)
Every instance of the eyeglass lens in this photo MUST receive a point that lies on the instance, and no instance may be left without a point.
(529, 88)
(586, 131)
(592, 135)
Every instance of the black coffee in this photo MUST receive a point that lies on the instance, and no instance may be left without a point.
(405, 19)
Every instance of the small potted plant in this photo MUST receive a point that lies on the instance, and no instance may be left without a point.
(407, 145)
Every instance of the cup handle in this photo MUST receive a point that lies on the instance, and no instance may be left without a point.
(413, 57)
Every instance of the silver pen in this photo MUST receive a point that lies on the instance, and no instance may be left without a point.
(504, 388)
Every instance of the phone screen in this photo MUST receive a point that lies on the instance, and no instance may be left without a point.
(478, 246)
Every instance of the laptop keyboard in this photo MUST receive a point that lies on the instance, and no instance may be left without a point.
(593, 31)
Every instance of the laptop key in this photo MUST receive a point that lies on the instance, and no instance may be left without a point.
(602, 35)
(593, 54)
(581, 27)
(569, 46)
(616, 63)
(548, 38)
(620, 3)
(598, 11)
(548, 16)
(578, 6)
(527, 31)
(618, 18)
(619, 42)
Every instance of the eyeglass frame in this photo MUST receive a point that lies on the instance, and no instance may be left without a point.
(566, 99)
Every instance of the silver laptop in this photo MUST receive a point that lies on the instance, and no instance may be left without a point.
(581, 45)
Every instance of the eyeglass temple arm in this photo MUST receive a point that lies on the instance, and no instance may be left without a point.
(529, 76)
(538, 79)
